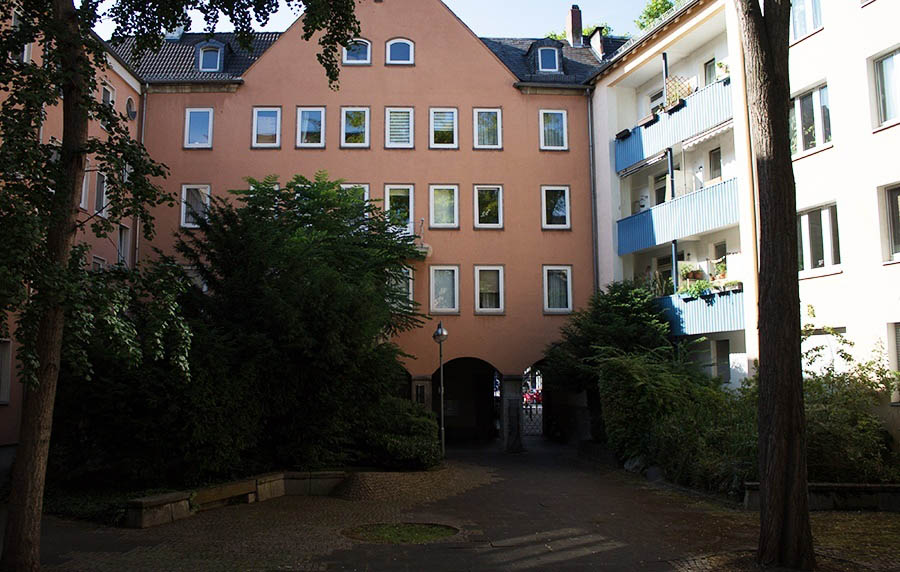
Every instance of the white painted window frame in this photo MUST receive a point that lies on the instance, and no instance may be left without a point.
(478, 224)
(544, 223)
(810, 23)
(124, 258)
(387, 128)
(218, 58)
(205, 194)
(541, 59)
(565, 116)
(209, 127)
(112, 97)
(499, 113)
(431, 271)
(363, 145)
(411, 189)
(880, 89)
(431, 223)
(412, 52)
(546, 269)
(102, 211)
(85, 185)
(478, 308)
(26, 49)
(300, 143)
(893, 226)
(277, 143)
(363, 186)
(366, 62)
(818, 122)
(431, 143)
(827, 246)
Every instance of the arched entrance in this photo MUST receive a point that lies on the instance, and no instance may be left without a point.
(471, 400)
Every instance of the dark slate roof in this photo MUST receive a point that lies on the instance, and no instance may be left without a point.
(578, 65)
(174, 61)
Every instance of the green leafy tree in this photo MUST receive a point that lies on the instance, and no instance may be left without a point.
(41, 182)
(605, 29)
(652, 12)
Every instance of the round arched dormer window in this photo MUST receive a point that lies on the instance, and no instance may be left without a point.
(210, 59)
(400, 52)
(358, 53)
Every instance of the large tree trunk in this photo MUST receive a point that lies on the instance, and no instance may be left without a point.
(21, 544)
(785, 537)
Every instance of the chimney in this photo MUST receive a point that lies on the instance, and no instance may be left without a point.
(573, 27)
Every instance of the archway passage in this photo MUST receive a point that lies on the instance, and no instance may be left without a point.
(471, 400)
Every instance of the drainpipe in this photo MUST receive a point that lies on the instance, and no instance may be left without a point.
(670, 165)
(665, 78)
(595, 246)
(137, 221)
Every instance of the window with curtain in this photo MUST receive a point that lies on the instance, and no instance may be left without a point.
(818, 239)
(443, 206)
(893, 198)
(193, 206)
(399, 133)
(806, 18)
(311, 127)
(557, 289)
(487, 129)
(443, 128)
(266, 127)
(489, 283)
(400, 205)
(443, 289)
(554, 134)
(887, 79)
(556, 207)
(100, 194)
(488, 207)
(355, 127)
(813, 129)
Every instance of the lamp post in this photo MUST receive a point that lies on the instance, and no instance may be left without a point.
(439, 337)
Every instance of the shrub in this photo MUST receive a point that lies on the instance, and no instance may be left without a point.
(398, 434)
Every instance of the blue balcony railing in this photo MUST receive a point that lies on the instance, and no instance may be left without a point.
(702, 110)
(702, 211)
(722, 312)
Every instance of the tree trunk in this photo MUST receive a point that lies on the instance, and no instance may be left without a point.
(785, 537)
(21, 545)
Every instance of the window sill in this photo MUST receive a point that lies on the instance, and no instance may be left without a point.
(310, 147)
(557, 312)
(863, 5)
(555, 149)
(476, 227)
(809, 35)
(813, 151)
(399, 148)
(444, 312)
(886, 126)
(438, 148)
(448, 227)
(400, 64)
(487, 148)
(490, 313)
(820, 272)
(264, 147)
(351, 147)
(196, 147)
(557, 228)
(356, 64)
(891, 262)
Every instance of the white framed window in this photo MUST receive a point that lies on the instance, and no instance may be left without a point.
(557, 289)
(806, 18)
(488, 206)
(210, 59)
(887, 86)
(358, 53)
(814, 126)
(198, 128)
(399, 127)
(124, 246)
(893, 211)
(98, 263)
(85, 185)
(709, 72)
(311, 127)
(400, 52)
(107, 97)
(489, 298)
(100, 195)
(24, 55)
(548, 59)
(818, 240)
(554, 130)
(444, 289)
(488, 128)
(399, 202)
(555, 208)
(194, 202)
(715, 164)
(354, 127)
(656, 101)
(6, 367)
(444, 128)
(360, 189)
(266, 127)
(444, 206)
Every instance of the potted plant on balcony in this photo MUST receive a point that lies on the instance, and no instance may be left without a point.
(721, 268)
(690, 272)
(733, 286)
(695, 289)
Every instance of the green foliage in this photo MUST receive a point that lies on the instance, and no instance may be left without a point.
(695, 288)
(289, 349)
(605, 30)
(651, 13)
(398, 434)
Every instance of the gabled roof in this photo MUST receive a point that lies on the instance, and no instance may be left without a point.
(578, 64)
(175, 61)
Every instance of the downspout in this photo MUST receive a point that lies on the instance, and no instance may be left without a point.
(595, 247)
(665, 78)
(670, 166)
(137, 220)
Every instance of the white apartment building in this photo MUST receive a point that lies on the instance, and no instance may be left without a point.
(676, 201)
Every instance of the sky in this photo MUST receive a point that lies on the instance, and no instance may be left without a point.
(495, 18)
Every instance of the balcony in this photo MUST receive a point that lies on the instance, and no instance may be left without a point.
(702, 211)
(718, 312)
(701, 111)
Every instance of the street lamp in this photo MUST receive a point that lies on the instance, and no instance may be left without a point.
(439, 337)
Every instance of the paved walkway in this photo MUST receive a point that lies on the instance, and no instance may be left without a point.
(539, 510)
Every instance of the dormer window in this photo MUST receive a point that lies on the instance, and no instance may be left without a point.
(209, 59)
(358, 53)
(400, 52)
(548, 59)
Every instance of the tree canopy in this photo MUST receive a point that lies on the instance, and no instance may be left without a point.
(652, 12)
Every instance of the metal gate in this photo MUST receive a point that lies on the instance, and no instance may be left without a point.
(532, 403)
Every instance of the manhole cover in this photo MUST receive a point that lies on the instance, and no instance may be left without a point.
(400, 533)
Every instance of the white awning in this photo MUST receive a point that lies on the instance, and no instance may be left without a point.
(707, 135)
